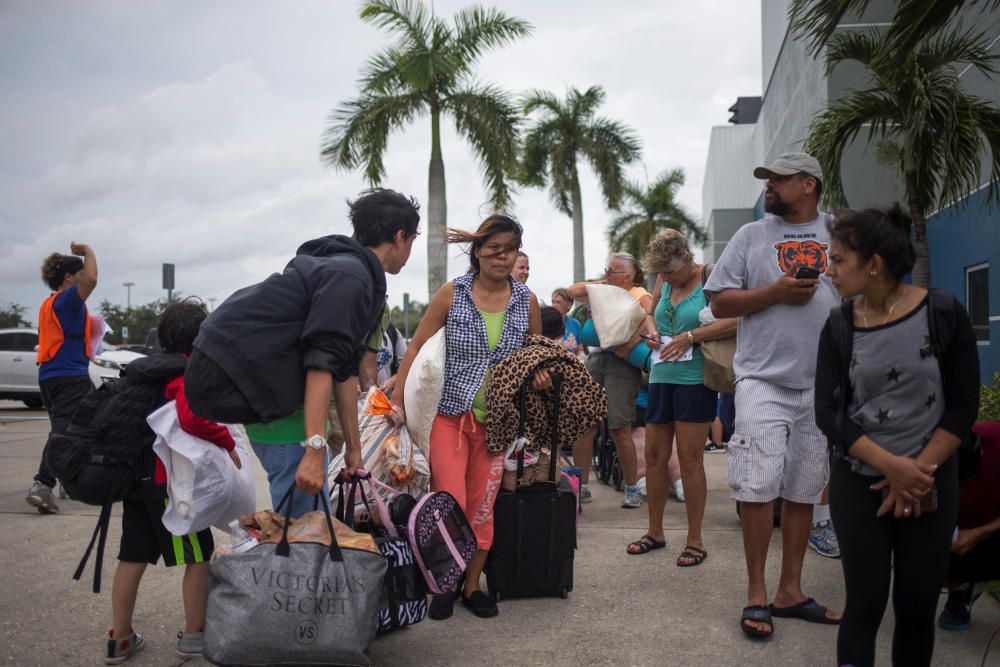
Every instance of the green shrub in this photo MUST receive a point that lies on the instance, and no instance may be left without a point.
(989, 401)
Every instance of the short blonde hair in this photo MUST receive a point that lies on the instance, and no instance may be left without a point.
(665, 248)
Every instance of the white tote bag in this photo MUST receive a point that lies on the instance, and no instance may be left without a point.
(422, 392)
(204, 486)
(616, 314)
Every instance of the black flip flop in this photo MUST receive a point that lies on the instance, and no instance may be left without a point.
(807, 610)
(644, 545)
(757, 613)
(696, 555)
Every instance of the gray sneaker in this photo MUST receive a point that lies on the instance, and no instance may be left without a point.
(633, 498)
(190, 644)
(585, 495)
(40, 496)
(120, 650)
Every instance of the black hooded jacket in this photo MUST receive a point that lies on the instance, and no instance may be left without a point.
(316, 313)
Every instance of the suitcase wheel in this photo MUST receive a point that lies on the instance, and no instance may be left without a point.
(564, 593)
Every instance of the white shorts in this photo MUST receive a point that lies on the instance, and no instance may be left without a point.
(776, 449)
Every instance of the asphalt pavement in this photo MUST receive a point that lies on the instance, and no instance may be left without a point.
(624, 610)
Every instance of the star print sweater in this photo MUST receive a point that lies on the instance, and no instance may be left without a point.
(897, 395)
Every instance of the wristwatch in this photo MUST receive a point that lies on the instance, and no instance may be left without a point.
(314, 442)
(690, 337)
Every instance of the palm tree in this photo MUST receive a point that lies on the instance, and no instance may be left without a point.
(566, 131)
(649, 210)
(817, 20)
(429, 71)
(919, 119)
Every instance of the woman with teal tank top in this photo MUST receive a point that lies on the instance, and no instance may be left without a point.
(486, 314)
(680, 407)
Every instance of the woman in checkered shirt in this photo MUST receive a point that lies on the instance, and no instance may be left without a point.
(486, 315)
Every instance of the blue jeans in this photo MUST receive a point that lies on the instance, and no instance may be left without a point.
(281, 462)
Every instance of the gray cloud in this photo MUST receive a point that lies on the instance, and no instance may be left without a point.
(189, 133)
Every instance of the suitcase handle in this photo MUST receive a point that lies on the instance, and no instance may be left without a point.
(557, 380)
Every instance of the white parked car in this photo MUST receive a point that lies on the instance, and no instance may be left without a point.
(109, 362)
(18, 372)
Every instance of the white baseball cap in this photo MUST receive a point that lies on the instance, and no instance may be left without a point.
(791, 163)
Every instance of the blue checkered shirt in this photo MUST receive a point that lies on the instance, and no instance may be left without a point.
(468, 355)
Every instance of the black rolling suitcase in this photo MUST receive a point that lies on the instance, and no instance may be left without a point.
(534, 533)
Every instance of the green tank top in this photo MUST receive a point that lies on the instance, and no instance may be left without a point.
(494, 327)
(674, 320)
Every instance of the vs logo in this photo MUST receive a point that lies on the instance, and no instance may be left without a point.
(306, 632)
(792, 254)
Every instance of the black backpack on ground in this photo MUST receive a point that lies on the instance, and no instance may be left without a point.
(106, 453)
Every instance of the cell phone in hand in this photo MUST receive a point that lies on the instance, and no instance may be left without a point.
(806, 273)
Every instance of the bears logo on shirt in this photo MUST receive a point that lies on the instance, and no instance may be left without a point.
(793, 254)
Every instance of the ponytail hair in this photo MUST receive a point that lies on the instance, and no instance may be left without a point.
(882, 232)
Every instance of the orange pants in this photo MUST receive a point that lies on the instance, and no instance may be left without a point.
(461, 465)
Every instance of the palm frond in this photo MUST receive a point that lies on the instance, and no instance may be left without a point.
(862, 46)
(834, 129)
(489, 120)
(816, 20)
(481, 29)
(408, 18)
(583, 105)
(609, 145)
(359, 131)
(957, 45)
(382, 73)
(651, 209)
(914, 20)
(534, 100)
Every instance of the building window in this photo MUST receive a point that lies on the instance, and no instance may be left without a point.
(977, 300)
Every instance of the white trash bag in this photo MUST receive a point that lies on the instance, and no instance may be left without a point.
(204, 486)
(616, 314)
(422, 392)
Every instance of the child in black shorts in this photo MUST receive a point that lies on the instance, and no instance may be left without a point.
(144, 538)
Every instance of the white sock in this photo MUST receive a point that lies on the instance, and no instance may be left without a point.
(821, 513)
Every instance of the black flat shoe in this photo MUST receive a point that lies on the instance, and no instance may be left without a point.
(442, 606)
(481, 604)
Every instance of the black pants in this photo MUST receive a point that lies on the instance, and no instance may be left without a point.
(912, 552)
(61, 395)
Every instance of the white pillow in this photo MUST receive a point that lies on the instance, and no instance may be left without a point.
(422, 392)
(616, 314)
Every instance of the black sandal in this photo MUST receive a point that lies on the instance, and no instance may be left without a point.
(644, 545)
(757, 613)
(696, 555)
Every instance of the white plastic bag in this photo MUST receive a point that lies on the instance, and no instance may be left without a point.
(617, 314)
(422, 392)
(205, 488)
(387, 450)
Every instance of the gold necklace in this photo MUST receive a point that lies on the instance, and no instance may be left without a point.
(888, 314)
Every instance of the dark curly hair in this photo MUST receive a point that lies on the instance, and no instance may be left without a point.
(875, 231)
(553, 325)
(179, 325)
(56, 266)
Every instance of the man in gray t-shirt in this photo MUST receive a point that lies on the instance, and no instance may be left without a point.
(771, 277)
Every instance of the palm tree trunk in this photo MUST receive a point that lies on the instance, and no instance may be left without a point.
(579, 271)
(437, 212)
(922, 264)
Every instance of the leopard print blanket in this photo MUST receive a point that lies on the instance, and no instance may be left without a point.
(583, 402)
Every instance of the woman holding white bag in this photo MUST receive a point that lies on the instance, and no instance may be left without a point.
(485, 314)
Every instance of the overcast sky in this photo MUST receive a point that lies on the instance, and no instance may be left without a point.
(189, 132)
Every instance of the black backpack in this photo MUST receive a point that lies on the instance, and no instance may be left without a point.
(941, 325)
(393, 339)
(107, 449)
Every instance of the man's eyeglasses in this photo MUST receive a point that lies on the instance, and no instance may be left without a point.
(609, 272)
